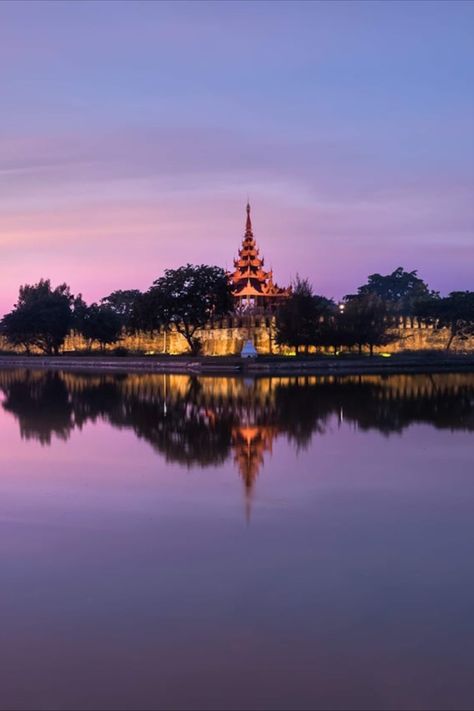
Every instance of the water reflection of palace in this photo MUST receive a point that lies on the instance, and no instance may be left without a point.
(203, 421)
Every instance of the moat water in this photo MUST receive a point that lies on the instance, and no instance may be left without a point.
(174, 542)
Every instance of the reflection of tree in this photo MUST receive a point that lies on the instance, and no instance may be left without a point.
(304, 408)
(184, 433)
(41, 403)
(392, 403)
(200, 421)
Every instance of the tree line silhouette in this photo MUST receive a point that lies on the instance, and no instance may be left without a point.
(191, 296)
(367, 318)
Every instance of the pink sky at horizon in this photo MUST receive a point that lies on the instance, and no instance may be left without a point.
(127, 150)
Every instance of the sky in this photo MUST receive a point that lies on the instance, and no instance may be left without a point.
(132, 134)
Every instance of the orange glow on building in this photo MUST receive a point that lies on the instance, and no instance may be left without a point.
(252, 286)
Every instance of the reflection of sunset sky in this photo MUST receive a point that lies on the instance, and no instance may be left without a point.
(131, 135)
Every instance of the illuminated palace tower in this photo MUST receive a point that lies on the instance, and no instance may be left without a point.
(252, 287)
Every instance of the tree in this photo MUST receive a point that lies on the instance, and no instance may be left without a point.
(400, 290)
(18, 328)
(102, 324)
(123, 303)
(79, 311)
(189, 297)
(300, 319)
(364, 321)
(336, 332)
(41, 318)
(147, 311)
(42, 404)
(456, 313)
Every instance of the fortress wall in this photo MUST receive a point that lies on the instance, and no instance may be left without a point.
(227, 337)
(414, 338)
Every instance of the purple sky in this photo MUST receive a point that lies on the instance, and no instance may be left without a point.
(132, 133)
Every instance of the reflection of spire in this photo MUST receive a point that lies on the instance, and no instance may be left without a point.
(248, 504)
(250, 444)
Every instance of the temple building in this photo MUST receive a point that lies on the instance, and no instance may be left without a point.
(252, 287)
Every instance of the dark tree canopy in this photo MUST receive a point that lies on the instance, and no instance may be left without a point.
(364, 321)
(400, 290)
(102, 324)
(123, 303)
(147, 312)
(456, 313)
(79, 311)
(300, 319)
(41, 318)
(189, 297)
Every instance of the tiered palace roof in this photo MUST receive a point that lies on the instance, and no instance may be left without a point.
(249, 281)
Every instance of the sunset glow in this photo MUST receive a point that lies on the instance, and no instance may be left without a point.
(132, 134)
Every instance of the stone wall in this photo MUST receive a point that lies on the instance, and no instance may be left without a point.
(227, 337)
(223, 338)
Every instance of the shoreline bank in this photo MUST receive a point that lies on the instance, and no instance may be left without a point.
(268, 366)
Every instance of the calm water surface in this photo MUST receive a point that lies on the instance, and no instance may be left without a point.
(219, 543)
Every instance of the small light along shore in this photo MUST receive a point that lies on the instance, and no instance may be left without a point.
(347, 364)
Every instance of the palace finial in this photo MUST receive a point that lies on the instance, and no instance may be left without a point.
(248, 225)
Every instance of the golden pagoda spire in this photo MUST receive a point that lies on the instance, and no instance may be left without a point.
(251, 285)
(248, 224)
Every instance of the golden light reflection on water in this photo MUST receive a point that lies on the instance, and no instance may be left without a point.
(200, 421)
